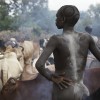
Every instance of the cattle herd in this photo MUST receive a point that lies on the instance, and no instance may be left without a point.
(20, 80)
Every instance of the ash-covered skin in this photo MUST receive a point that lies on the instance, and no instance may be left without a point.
(70, 53)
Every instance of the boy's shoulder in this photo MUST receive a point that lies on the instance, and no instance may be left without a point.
(55, 36)
(84, 34)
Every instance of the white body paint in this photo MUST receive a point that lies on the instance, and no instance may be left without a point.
(73, 48)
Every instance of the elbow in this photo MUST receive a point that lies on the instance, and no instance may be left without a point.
(38, 66)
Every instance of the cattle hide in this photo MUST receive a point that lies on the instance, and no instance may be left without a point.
(92, 79)
(94, 96)
(41, 89)
(31, 51)
(9, 65)
(37, 89)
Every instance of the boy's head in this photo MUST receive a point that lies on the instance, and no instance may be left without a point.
(67, 14)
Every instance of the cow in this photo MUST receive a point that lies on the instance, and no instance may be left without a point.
(36, 86)
(41, 89)
(9, 65)
(17, 49)
(36, 89)
(92, 79)
(19, 52)
(94, 96)
(30, 51)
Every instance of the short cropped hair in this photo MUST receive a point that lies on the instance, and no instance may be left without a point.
(70, 13)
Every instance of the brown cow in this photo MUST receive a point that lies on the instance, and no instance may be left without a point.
(92, 79)
(37, 89)
(41, 89)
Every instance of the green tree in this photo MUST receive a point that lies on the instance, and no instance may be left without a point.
(90, 17)
(94, 12)
(5, 18)
(27, 13)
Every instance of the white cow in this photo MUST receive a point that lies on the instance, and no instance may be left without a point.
(30, 52)
(9, 65)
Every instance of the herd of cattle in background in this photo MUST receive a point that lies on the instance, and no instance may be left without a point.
(20, 80)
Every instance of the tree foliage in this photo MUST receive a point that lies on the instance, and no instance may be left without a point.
(90, 17)
(94, 11)
(35, 14)
(20, 13)
(5, 19)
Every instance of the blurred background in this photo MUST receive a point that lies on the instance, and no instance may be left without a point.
(36, 18)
